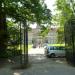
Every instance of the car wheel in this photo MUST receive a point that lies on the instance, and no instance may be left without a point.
(52, 55)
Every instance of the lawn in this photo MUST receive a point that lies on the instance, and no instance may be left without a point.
(56, 44)
(18, 47)
(29, 46)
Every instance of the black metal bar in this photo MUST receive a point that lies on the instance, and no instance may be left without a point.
(25, 42)
(20, 44)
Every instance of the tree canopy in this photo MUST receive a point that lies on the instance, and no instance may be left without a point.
(30, 10)
(66, 9)
(21, 10)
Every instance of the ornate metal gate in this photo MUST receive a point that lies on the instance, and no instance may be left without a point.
(20, 57)
(70, 40)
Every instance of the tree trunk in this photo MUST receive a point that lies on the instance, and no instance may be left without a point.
(3, 32)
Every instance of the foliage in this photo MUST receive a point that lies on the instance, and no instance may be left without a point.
(44, 31)
(30, 10)
(13, 32)
(60, 35)
(23, 11)
(66, 10)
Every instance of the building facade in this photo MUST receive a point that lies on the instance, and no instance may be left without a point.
(51, 38)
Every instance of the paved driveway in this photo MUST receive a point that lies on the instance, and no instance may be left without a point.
(40, 65)
(36, 50)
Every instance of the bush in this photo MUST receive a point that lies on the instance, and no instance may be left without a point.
(12, 52)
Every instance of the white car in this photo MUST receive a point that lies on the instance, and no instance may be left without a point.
(55, 51)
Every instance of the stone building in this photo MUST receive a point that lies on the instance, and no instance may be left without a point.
(51, 38)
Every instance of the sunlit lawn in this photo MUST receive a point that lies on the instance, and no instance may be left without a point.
(56, 44)
(18, 47)
(29, 46)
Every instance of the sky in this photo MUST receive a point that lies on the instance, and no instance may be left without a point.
(50, 5)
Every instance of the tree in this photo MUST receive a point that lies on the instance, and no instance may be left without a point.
(46, 21)
(23, 11)
(66, 11)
